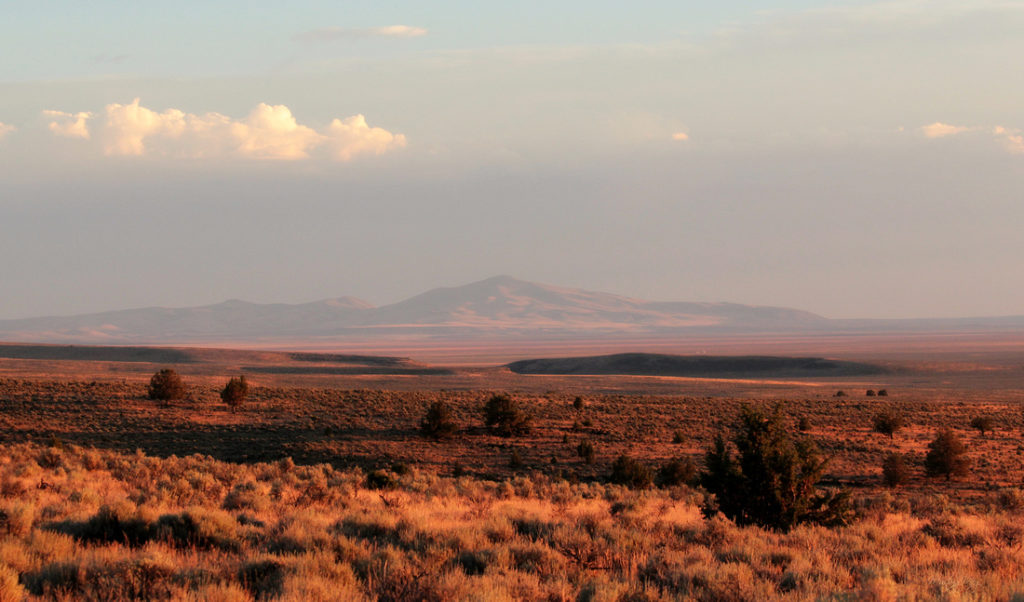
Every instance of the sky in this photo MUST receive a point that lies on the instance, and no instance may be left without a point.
(854, 159)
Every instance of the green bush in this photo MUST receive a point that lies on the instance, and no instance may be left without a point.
(888, 422)
(504, 416)
(585, 450)
(438, 422)
(947, 456)
(895, 470)
(771, 481)
(631, 472)
(983, 424)
(682, 471)
(234, 393)
(166, 385)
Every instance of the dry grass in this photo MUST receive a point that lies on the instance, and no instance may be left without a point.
(82, 523)
(326, 494)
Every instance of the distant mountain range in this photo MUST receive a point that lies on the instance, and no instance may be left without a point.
(497, 307)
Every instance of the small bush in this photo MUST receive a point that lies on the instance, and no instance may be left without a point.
(803, 424)
(631, 472)
(585, 450)
(888, 422)
(870, 393)
(504, 416)
(234, 393)
(947, 456)
(883, 393)
(514, 459)
(438, 422)
(577, 403)
(166, 385)
(263, 578)
(840, 394)
(678, 438)
(983, 424)
(895, 470)
(381, 479)
(677, 472)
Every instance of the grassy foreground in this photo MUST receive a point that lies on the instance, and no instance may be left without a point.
(81, 523)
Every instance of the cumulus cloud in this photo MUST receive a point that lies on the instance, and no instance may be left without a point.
(349, 137)
(268, 132)
(69, 125)
(941, 130)
(272, 132)
(5, 129)
(325, 34)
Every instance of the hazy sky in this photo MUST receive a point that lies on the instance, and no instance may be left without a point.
(855, 159)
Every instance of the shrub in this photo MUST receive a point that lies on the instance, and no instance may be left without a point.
(381, 479)
(235, 392)
(983, 424)
(585, 450)
(677, 472)
(631, 472)
(870, 393)
(514, 459)
(895, 470)
(166, 385)
(772, 480)
(803, 424)
(503, 415)
(883, 393)
(947, 456)
(678, 438)
(438, 422)
(888, 422)
(840, 394)
(577, 403)
(263, 578)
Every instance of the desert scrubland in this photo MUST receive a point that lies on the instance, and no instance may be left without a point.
(324, 487)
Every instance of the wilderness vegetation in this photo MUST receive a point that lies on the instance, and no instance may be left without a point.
(570, 499)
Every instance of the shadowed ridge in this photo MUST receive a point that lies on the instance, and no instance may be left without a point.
(652, 364)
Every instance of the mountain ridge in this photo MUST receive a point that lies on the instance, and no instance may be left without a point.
(500, 305)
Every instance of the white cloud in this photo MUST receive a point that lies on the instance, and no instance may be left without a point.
(681, 136)
(325, 34)
(941, 130)
(352, 136)
(268, 132)
(1012, 139)
(129, 125)
(6, 128)
(272, 132)
(70, 125)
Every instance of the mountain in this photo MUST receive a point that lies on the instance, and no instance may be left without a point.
(504, 302)
(497, 308)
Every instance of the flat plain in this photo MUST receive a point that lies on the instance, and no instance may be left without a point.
(327, 454)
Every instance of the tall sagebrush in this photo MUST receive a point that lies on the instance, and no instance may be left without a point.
(772, 479)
